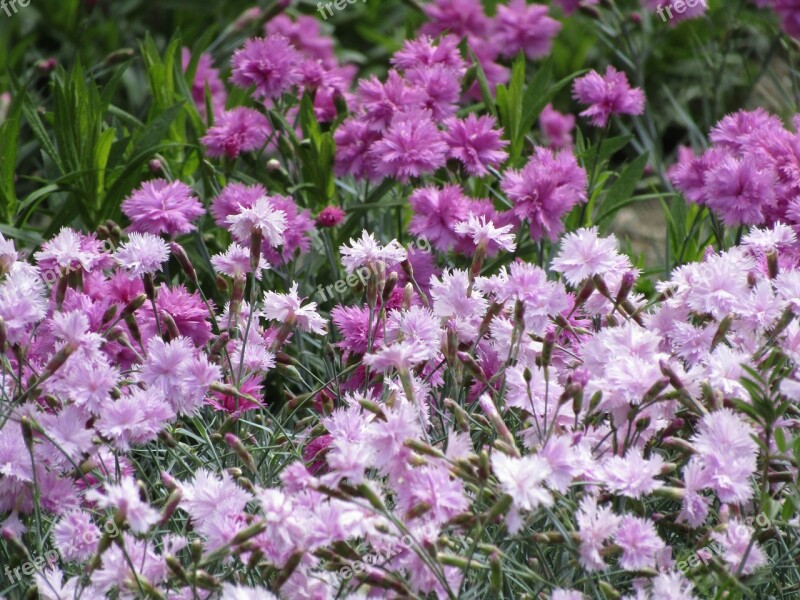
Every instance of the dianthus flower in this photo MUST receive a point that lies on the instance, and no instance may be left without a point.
(159, 206)
(607, 95)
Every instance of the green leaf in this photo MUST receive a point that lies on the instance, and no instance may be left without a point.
(9, 137)
(621, 190)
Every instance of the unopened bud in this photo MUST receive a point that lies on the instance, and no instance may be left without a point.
(238, 447)
(183, 260)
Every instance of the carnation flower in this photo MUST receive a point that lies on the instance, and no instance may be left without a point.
(739, 190)
(76, 536)
(287, 309)
(545, 190)
(741, 552)
(476, 143)
(607, 95)
(354, 139)
(159, 206)
(270, 64)
(236, 131)
(633, 476)
(584, 254)
(134, 419)
(330, 216)
(235, 262)
(522, 479)
(379, 102)
(483, 233)
(262, 218)
(412, 145)
(124, 498)
(423, 52)
(402, 356)
(596, 525)
(556, 128)
(526, 27)
(142, 254)
(458, 17)
(232, 198)
(368, 252)
(639, 542)
(439, 88)
(436, 213)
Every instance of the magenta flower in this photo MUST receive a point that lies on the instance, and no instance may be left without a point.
(439, 88)
(526, 27)
(236, 131)
(305, 34)
(739, 190)
(556, 128)
(379, 101)
(476, 143)
(270, 64)
(413, 145)
(232, 198)
(330, 216)
(354, 138)
(422, 52)
(205, 75)
(436, 213)
(459, 17)
(187, 310)
(607, 95)
(545, 190)
(159, 206)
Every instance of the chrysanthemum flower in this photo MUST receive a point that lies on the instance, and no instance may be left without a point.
(159, 206)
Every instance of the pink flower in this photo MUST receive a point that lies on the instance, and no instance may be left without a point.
(633, 476)
(739, 190)
(522, 26)
(639, 542)
(236, 131)
(413, 145)
(523, 479)
(402, 356)
(295, 236)
(287, 308)
(186, 308)
(76, 536)
(422, 52)
(459, 17)
(379, 102)
(545, 190)
(270, 64)
(607, 95)
(124, 498)
(439, 88)
(368, 252)
(737, 542)
(583, 254)
(476, 143)
(556, 128)
(595, 526)
(159, 206)
(305, 34)
(235, 262)
(134, 419)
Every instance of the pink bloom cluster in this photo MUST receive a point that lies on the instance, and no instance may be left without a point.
(749, 176)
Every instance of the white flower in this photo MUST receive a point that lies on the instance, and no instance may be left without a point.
(283, 307)
(522, 479)
(482, 232)
(263, 218)
(368, 251)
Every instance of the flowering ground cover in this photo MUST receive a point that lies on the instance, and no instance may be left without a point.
(317, 301)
